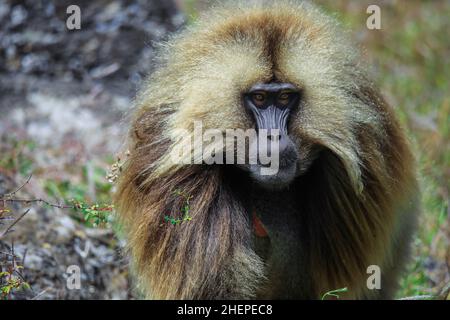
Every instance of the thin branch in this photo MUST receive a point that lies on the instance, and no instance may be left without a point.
(6, 253)
(27, 201)
(6, 195)
(24, 256)
(14, 223)
(41, 293)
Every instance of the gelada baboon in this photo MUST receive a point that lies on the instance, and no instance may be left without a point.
(344, 196)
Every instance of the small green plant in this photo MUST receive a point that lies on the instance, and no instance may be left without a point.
(184, 216)
(11, 277)
(96, 215)
(11, 280)
(334, 293)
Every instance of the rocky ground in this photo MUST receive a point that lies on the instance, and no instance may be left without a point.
(63, 97)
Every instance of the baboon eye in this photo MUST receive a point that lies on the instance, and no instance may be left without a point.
(259, 99)
(284, 98)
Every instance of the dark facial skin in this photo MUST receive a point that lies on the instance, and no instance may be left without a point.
(271, 104)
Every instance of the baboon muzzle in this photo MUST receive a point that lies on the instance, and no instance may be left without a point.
(271, 104)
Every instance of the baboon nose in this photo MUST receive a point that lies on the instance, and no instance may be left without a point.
(286, 150)
(273, 135)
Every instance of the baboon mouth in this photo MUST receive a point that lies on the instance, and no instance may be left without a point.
(281, 165)
(280, 178)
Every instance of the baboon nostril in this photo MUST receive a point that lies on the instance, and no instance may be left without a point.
(274, 137)
(283, 143)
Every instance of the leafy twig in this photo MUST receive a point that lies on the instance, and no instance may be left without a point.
(185, 216)
(334, 293)
(95, 213)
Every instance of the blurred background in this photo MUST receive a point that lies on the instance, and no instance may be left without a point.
(63, 96)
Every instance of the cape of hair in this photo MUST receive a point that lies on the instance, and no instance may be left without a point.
(361, 187)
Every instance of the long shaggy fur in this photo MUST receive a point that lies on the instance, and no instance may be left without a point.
(354, 200)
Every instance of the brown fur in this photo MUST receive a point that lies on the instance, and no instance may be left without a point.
(353, 200)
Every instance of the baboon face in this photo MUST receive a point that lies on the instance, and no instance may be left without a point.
(270, 106)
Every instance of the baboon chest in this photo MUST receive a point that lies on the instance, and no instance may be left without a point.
(278, 240)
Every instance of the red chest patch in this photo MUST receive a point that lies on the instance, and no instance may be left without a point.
(260, 231)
